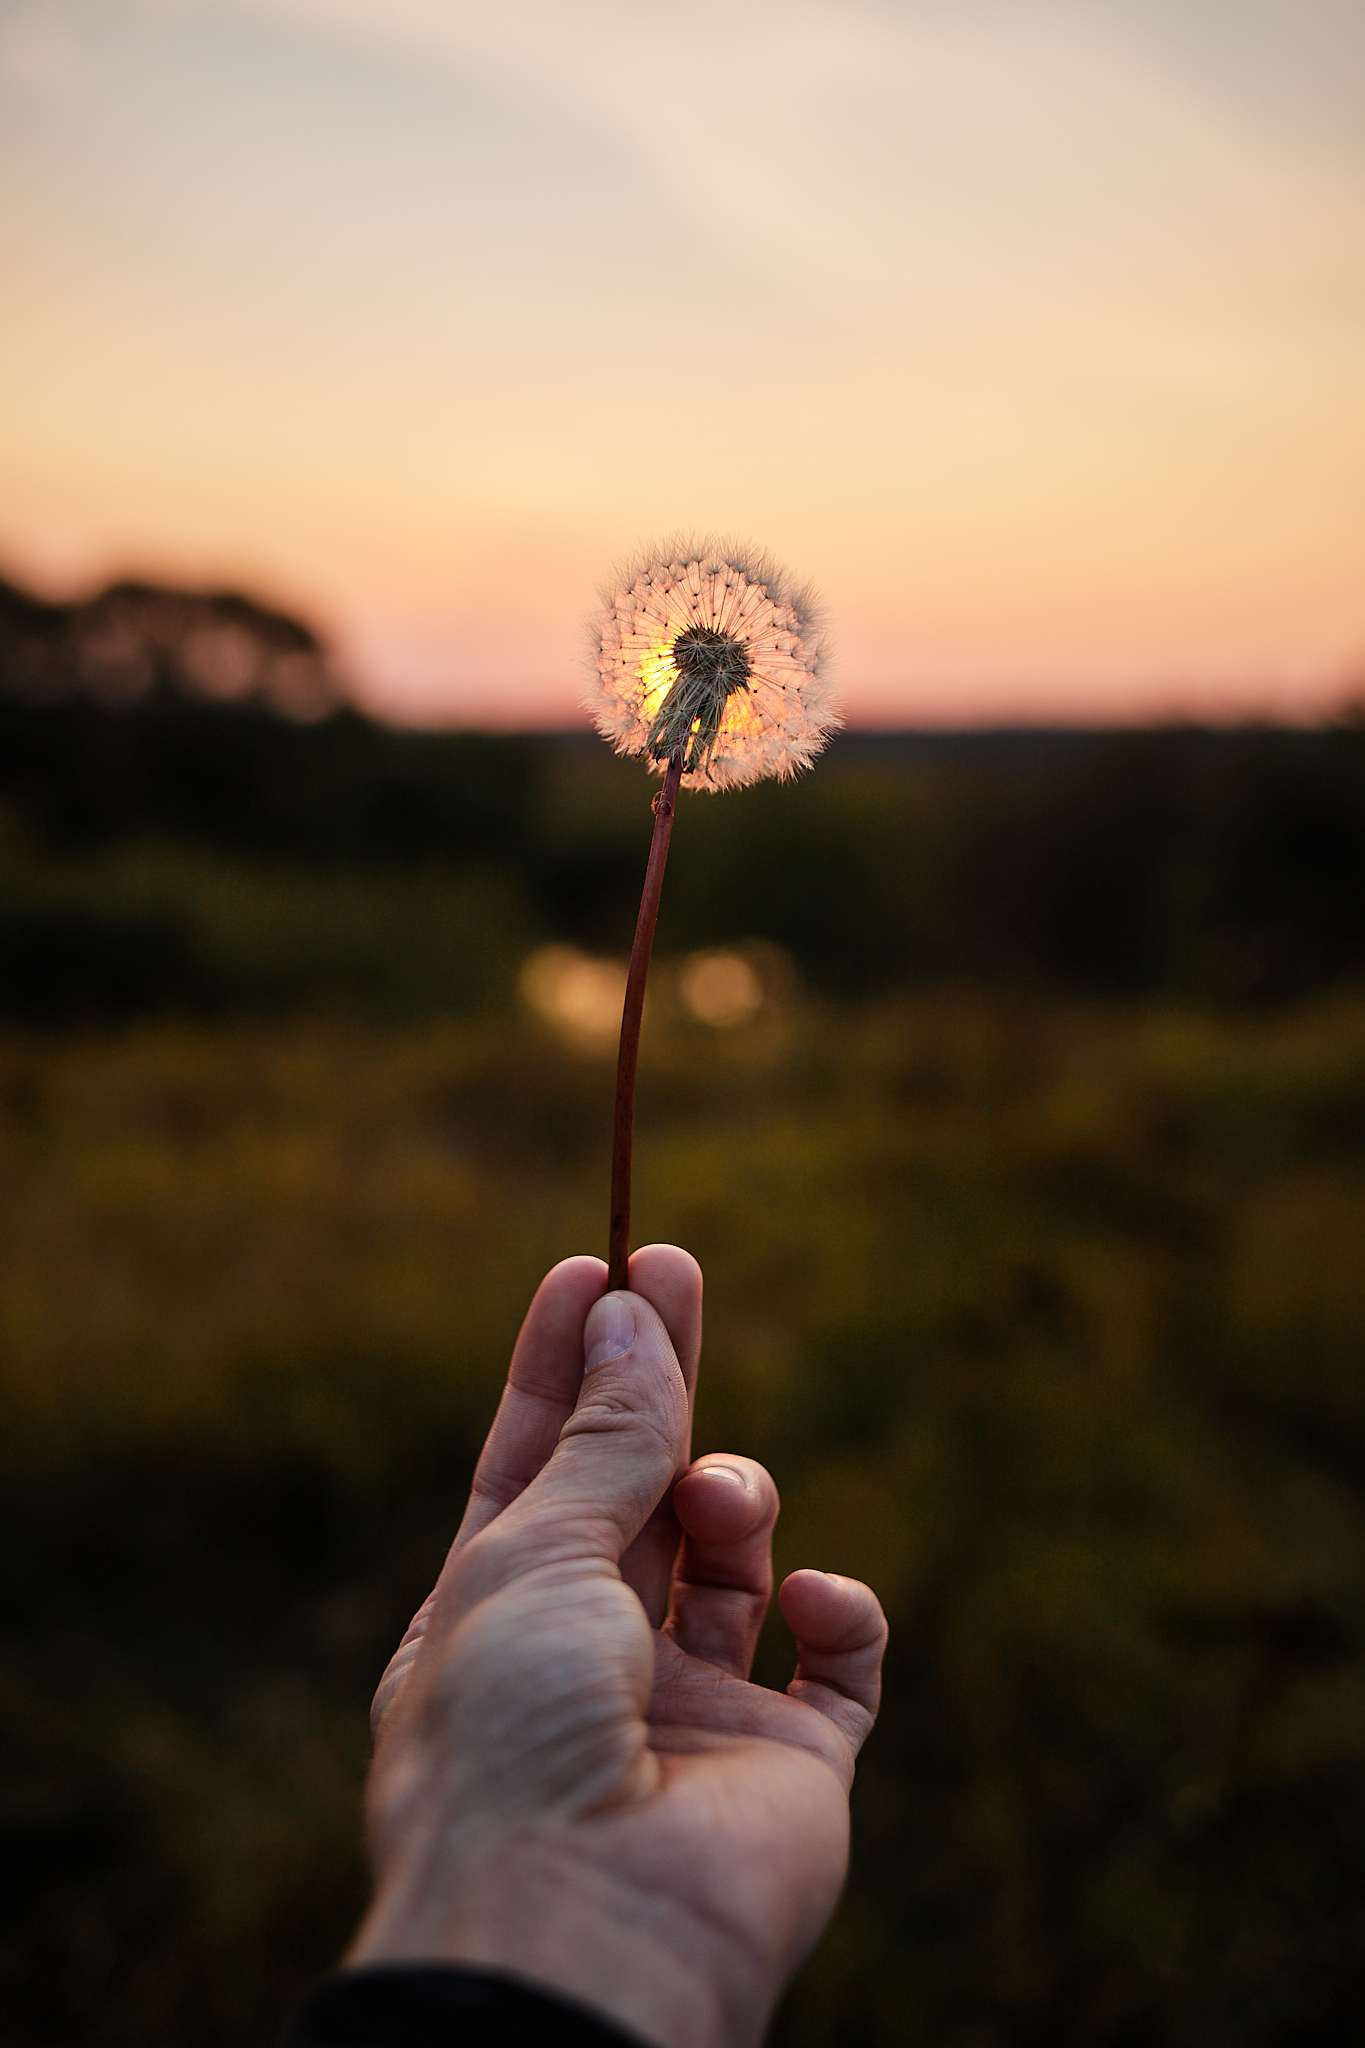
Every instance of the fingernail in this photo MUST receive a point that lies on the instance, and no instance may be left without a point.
(727, 1472)
(610, 1330)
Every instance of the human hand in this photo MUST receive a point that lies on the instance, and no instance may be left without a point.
(573, 1779)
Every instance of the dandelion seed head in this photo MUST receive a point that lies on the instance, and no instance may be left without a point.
(708, 651)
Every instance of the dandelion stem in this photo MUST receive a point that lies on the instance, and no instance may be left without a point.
(623, 1121)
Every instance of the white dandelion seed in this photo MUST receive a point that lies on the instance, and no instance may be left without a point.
(708, 653)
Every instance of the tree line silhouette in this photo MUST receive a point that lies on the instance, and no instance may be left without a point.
(214, 734)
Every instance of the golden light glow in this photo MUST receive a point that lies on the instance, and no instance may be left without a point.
(741, 721)
(658, 673)
(576, 993)
(721, 989)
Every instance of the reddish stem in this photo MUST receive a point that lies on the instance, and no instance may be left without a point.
(623, 1121)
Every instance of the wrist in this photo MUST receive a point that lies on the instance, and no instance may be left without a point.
(567, 1926)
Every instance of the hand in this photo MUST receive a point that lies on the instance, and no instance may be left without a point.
(573, 1779)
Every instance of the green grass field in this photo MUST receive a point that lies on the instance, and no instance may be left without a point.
(1046, 1316)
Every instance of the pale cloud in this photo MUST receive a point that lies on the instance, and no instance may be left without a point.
(826, 131)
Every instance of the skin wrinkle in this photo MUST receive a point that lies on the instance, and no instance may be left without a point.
(720, 1639)
(645, 1901)
(704, 1914)
(582, 1727)
(737, 1587)
(684, 1687)
(607, 1417)
(818, 1737)
(748, 1599)
(606, 1411)
(843, 1715)
(497, 1559)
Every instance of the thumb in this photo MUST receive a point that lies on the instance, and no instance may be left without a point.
(617, 1454)
(615, 1459)
(622, 1447)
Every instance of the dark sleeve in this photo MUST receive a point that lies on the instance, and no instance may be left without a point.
(430, 2005)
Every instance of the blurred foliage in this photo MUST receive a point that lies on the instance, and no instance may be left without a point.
(1047, 1318)
(1031, 1213)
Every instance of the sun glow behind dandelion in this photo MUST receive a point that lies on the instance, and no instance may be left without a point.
(658, 673)
(708, 651)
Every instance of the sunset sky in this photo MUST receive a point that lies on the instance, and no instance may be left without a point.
(1032, 330)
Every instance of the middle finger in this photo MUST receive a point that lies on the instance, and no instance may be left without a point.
(724, 1578)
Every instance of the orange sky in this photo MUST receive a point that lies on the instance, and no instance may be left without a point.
(1033, 333)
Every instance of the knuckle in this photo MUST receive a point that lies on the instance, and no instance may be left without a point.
(607, 1414)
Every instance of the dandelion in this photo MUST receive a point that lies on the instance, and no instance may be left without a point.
(709, 652)
(710, 663)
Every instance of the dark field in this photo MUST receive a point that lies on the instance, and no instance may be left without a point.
(1031, 1201)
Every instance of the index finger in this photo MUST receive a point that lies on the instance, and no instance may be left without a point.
(542, 1387)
